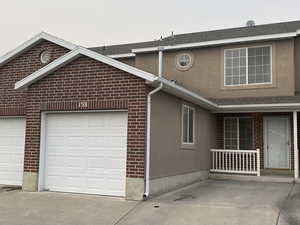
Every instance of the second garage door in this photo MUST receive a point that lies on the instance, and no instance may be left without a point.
(12, 140)
(86, 153)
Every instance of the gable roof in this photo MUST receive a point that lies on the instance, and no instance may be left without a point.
(222, 36)
(74, 54)
(32, 42)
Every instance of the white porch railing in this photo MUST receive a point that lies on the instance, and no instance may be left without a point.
(235, 161)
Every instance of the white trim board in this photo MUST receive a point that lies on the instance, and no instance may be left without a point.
(219, 42)
(122, 56)
(33, 41)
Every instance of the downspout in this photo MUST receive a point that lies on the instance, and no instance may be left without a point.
(147, 175)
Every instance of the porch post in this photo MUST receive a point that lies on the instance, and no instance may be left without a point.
(296, 157)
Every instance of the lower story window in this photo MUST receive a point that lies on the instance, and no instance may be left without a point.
(188, 117)
(238, 133)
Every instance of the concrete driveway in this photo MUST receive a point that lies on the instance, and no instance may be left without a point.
(50, 208)
(207, 203)
(222, 202)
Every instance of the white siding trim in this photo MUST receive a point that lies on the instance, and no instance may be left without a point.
(120, 56)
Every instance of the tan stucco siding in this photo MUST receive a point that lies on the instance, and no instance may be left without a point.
(207, 73)
(297, 64)
(128, 61)
(168, 156)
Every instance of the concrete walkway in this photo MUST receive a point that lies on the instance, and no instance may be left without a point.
(213, 202)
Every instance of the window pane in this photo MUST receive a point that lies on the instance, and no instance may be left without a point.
(191, 126)
(230, 133)
(243, 61)
(243, 80)
(235, 59)
(246, 133)
(243, 52)
(236, 62)
(259, 65)
(228, 81)
(185, 124)
(228, 53)
(236, 80)
(236, 53)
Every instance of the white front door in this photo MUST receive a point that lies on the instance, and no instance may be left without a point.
(86, 152)
(276, 142)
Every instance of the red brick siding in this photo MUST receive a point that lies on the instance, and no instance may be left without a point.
(258, 131)
(13, 102)
(101, 87)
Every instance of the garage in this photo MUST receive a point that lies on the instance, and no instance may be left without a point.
(12, 141)
(85, 152)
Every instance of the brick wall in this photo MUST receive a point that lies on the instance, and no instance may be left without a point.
(99, 87)
(12, 102)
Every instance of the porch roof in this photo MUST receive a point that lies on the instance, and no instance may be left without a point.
(258, 100)
(277, 103)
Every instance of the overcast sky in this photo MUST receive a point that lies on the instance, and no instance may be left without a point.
(97, 22)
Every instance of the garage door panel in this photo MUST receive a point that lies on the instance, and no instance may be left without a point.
(86, 153)
(12, 140)
(55, 140)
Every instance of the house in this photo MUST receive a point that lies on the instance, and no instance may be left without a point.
(139, 119)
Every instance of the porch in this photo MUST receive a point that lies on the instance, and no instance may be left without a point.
(256, 144)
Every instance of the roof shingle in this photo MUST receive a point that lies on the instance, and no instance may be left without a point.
(265, 29)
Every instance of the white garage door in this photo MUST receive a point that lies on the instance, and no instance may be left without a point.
(86, 153)
(12, 140)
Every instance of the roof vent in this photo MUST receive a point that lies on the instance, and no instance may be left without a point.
(250, 23)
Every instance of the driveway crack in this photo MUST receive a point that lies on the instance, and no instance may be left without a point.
(127, 213)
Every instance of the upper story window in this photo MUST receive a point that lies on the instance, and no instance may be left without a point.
(248, 66)
(188, 120)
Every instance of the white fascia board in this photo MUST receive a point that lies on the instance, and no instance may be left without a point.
(120, 56)
(56, 64)
(184, 93)
(33, 41)
(218, 42)
(298, 32)
(259, 107)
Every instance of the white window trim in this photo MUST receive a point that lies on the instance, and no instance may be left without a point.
(247, 84)
(182, 121)
(238, 131)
